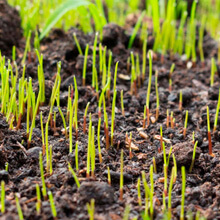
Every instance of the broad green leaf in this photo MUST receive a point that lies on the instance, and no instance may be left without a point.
(59, 12)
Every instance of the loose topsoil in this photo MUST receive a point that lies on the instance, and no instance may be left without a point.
(202, 184)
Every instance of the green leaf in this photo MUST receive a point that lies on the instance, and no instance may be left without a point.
(135, 30)
(59, 12)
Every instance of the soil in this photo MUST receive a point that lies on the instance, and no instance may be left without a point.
(202, 184)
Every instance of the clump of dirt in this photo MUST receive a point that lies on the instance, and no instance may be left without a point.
(10, 28)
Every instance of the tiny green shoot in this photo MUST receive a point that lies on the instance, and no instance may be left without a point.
(38, 203)
(122, 104)
(77, 44)
(209, 134)
(193, 157)
(2, 197)
(185, 124)
(20, 213)
(139, 191)
(183, 192)
(121, 177)
(217, 112)
(91, 209)
(74, 175)
(85, 65)
(52, 205)
(157, 95)
(44, 191)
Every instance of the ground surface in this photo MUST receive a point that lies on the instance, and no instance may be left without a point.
(202, 185)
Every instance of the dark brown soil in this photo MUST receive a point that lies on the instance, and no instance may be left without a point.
(10, 28)
(202, 185)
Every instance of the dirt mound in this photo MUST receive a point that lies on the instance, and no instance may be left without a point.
(10, 28)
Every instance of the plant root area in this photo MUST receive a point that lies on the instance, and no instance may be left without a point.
(202, 184)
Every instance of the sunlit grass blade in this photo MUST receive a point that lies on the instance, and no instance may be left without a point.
(59, 12)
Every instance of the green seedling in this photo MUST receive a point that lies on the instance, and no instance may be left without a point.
(51, 159)
(175, 168)
(144, 55)
(180, 34)
(185, 124)
(100, 59)
(165, 168)
(193, 157)
(76, 108)
(133, 88)
(20, 213)
(72, 106)
(126, 212)
(201, 38)
(157, 95)
(144, 119)
(115, 76)
(84, 118)
(164, 202)
(27, 48)
(14, 54)
(41, 78)
(122, 104)
(183, 193)
(76, 156)
(42, 133)
(109, 176)
(147, 193)
(92, 149)
(91, 209)
(164, 154)
(135, 30)
(113, 116)
(109, 77)
(77, 44)
(138, 70)
(44, 190)
(94, 71)
(47, 145)
(213, 70)
(149, 89)
(98, 140)
(121, 177)
(106, 125)
(161, 139)
(33, 119)
(217, 112)
(89, 147)
(170, 193)
(139, 191)
(2, 197)
(151, 192)
(85, 65)
(52, 205)
(104, 67)
(209, 134)
(38, 203)
(170, 76)
(74, 175)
